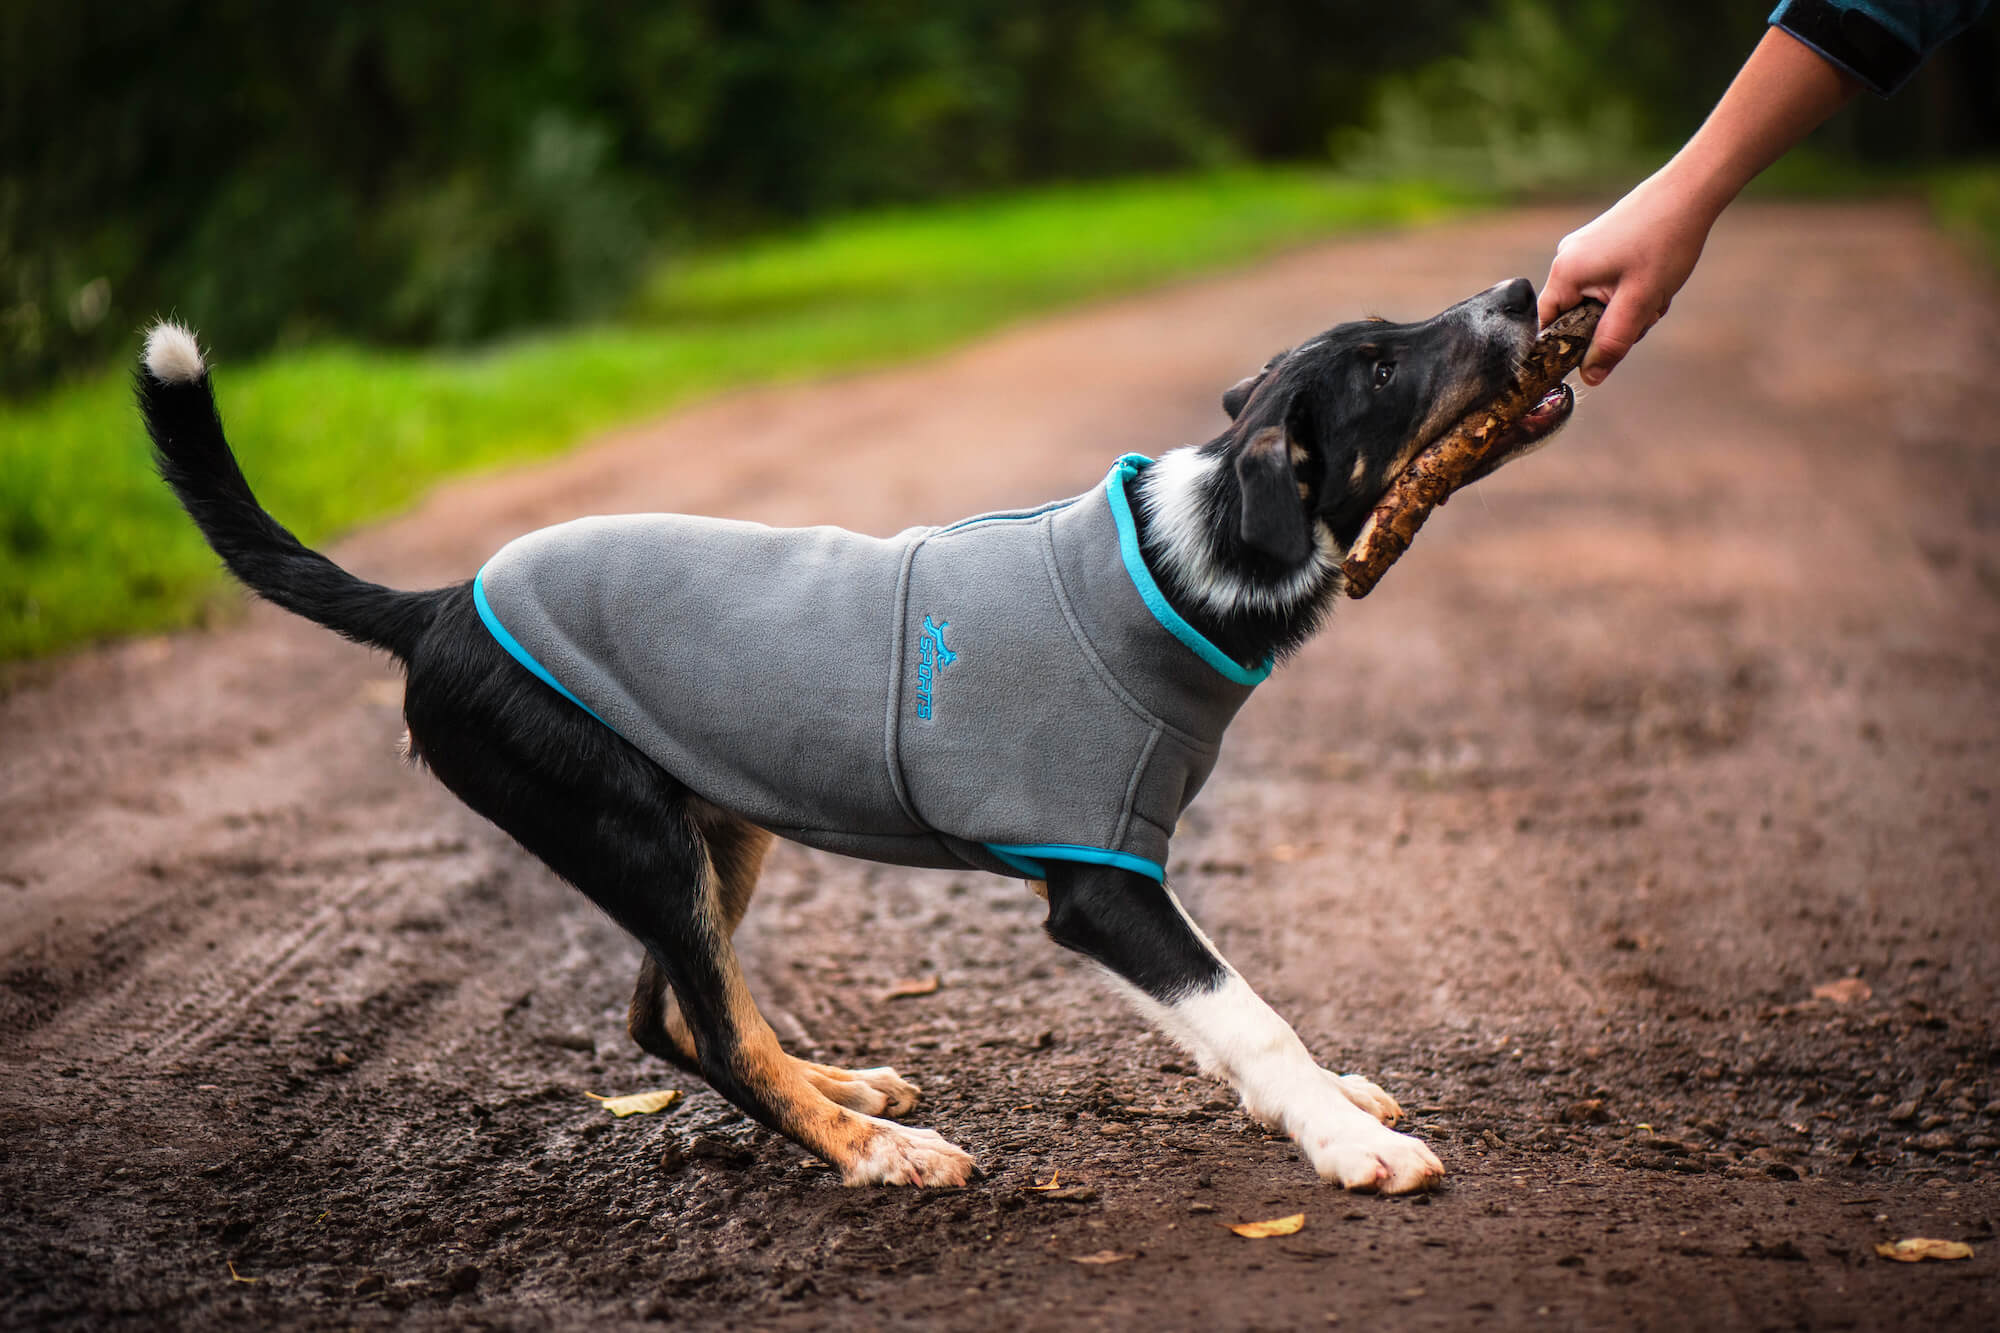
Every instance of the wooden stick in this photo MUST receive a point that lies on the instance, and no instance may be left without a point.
(1453, 459)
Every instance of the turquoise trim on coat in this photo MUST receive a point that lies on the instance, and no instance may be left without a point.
(516, 651)
(1156, 601)
(1027, 857)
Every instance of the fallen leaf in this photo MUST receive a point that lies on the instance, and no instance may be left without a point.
(1053, 1182)
(638, 1103)
(1918, 1248)
(235, 1276)
(1847, 990)
(1102, 1257)
(905, 990)
(1277, 1226)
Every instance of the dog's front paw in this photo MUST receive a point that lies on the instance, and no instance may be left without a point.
(1364, 1094)
(899, 1155)
(1362, 1155)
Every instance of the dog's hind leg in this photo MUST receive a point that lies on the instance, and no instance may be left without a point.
(625, 831)
(736, 849)
(741, 1058)
(654, 1020)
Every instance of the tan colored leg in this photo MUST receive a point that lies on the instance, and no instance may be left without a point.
(736, 850)
(741, 1058)
(867, 1150)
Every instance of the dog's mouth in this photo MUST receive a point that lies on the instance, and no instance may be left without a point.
(1536, 428)
(1544, 419)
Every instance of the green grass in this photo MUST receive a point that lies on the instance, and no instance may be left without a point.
(92, 545)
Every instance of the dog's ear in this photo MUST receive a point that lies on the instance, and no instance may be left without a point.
(1238, 394)
(1274, 514)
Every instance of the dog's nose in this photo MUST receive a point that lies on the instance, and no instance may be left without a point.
(1517, 298)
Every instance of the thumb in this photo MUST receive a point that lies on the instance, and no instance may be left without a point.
(1559, 293)
(1618, 331)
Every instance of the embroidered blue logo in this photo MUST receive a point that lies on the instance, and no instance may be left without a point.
(932, 657)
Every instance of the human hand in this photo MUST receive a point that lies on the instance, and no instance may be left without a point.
(1633, 257)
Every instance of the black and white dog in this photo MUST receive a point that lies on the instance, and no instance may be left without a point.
(1243, 535)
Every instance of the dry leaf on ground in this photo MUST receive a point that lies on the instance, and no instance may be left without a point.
(1919, 1247)
(1053, 1182)
(1277, 1226)
(1102, 1257)
(1847, 990)
(915, 986)
(638, 1103)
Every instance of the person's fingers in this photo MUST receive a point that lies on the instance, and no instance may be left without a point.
(1559, 293)
(1626, 319)
(1571, 280)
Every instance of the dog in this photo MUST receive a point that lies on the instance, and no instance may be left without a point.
(643, 702)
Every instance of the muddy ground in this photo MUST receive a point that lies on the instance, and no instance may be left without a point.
(1555, 836)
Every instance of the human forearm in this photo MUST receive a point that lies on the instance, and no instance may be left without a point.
(1783, 93)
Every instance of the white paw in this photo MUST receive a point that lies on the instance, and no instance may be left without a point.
(898, 1155)
(1362, 1155)
(1364, 1094)
(873, 1092)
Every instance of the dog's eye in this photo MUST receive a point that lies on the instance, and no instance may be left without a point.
(1383, 373)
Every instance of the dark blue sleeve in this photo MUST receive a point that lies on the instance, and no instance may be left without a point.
(1880, 42)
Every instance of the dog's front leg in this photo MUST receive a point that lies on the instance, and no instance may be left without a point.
(1137, 930)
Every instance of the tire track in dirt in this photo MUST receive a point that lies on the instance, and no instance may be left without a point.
(222, 993)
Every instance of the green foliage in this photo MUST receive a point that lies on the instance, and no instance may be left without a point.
(1542, 95)
(91, 543)
(1531, 101)
(1966, 200)
(440, 172)
(557, 236)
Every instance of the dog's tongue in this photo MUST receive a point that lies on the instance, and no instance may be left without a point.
(1550, 411)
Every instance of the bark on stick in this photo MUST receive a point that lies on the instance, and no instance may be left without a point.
(1462, 453)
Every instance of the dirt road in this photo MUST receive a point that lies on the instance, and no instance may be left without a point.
(1555, 836)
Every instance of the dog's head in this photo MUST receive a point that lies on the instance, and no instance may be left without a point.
(1322, 429)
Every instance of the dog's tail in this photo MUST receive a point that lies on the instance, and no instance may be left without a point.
(193, 456)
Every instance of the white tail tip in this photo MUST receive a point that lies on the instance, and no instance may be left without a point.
(172, 355)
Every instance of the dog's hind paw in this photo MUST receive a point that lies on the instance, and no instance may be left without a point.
(873, 1092)
(898, 1155)
(1369, 1157)
(1364, 1094)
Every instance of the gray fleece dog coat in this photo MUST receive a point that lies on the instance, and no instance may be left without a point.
(1004, 692)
